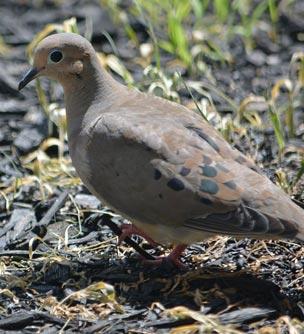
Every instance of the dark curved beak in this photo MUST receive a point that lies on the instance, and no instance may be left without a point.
(28, 77)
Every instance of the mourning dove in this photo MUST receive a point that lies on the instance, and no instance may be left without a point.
(156, 162)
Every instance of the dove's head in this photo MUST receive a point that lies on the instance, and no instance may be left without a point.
(64, 57)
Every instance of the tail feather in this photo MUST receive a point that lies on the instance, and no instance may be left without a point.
(286, 230)
(246, 221)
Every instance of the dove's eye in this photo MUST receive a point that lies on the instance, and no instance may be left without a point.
(55, 56)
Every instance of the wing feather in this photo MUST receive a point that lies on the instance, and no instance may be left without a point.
(194, 160)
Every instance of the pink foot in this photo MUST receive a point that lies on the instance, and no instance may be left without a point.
(127, 230)
(173, 257)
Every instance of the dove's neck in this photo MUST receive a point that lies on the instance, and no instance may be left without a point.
(93, 86)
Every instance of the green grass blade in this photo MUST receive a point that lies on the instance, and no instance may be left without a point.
(277, 126)
(221, 8)
(273, 11)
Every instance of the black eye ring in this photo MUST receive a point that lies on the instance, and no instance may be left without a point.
(56, 56)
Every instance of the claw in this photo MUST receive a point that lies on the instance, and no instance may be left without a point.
(127, 230)
(173, 257)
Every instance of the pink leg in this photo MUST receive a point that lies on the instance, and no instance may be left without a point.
(173, 257)
(127, 230)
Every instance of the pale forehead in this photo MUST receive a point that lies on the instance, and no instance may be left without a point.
(64, 40)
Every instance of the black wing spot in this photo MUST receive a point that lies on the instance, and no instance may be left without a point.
(230, 184)
(222, 168)
(207, 160)
(206, 201)
(157, 174)
(204, 136)
(184, 171)
(209, 171)
(240, 159)
(176, 184)
(209, 186)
